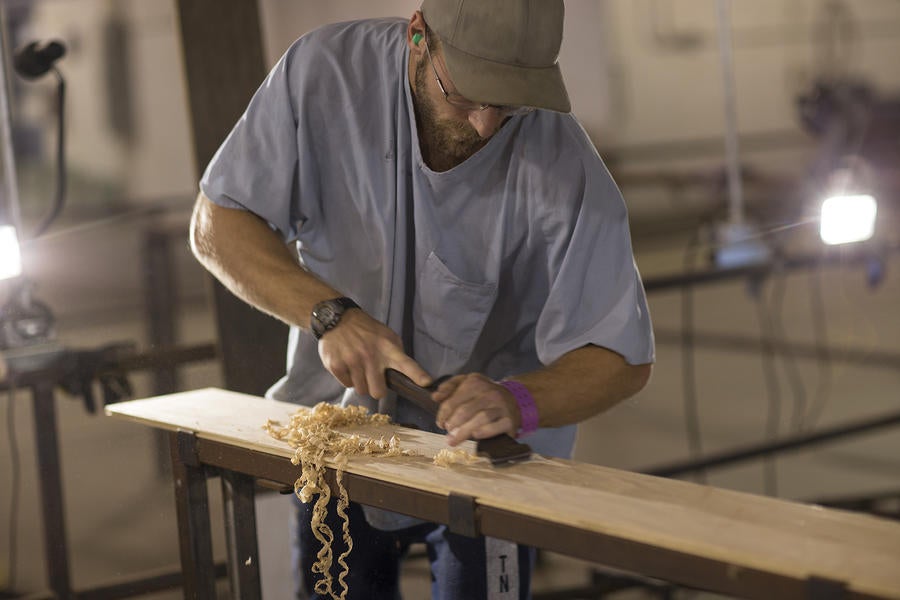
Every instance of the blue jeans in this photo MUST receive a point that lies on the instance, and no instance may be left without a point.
(459, 565)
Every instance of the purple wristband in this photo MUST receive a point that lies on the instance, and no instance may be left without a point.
(527, 407)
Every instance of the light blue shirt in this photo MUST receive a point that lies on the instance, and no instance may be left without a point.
(522, 252)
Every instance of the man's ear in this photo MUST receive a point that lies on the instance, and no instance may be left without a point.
(415, 33)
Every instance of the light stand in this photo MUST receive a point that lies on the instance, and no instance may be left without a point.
(10, 222)
(737, 240)
(24, 320)
(10, 255)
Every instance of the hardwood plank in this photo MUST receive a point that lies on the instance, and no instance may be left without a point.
(746, 530)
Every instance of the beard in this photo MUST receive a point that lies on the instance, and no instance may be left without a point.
(445, 141)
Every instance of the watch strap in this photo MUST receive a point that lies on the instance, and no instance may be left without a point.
(346, 302)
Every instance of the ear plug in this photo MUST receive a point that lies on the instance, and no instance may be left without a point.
(417, 37)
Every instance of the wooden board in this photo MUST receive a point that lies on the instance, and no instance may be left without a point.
(745, 530)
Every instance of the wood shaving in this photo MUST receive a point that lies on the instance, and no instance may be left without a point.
(312, 433)
(454, 456)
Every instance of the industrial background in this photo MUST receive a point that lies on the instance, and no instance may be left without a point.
(764, 339)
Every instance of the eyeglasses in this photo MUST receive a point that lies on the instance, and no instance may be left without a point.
(459, 101)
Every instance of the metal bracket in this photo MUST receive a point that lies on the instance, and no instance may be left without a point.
(821, 588)
(461, 514)
(187, 448)
(275, 486)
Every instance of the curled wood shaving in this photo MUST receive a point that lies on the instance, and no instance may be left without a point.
(454, 456)
(312, 433)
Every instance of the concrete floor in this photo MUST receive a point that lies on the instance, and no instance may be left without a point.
(118, 496)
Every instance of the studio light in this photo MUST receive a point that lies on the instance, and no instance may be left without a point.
(846, 219)
(10, 257)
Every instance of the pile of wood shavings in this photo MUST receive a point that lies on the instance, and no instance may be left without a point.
(312, 435)
(447, 456)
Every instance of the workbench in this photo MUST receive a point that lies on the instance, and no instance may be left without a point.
(735, 543)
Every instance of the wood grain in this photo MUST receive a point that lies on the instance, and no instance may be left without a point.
(745, 530)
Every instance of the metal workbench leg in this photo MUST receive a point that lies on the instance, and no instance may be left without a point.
(56, 550)
(161, 308)
(192, 505)
(240, 535)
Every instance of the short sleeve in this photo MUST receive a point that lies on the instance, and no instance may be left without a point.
(255, 168)
(596, 294)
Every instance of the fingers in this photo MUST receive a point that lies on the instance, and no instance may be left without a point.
(482, 425)
(359, 349)
(375, 382)
(359, 381)
(448, 388)
(410, 368)
(475, 407)
(442, 395)
(343, 376)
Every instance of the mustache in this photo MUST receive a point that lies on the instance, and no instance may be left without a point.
(463, 129)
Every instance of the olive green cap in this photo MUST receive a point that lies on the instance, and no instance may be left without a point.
(502, 51)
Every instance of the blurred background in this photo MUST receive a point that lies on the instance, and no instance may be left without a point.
(726, 126)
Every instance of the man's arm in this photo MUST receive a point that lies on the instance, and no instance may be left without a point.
(251, 260)
(579, 385)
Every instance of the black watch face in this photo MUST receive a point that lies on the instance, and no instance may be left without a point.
(325, 313)
(325, 316)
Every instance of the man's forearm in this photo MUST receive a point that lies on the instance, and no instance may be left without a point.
(581, 384)
(254, 263)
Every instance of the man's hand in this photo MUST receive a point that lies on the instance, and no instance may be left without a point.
(359, 349)
(475, 407)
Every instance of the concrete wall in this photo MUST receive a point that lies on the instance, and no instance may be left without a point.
(639, 71)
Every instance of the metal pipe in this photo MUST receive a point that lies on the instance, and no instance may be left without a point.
(863, 256)
(11, 188)
(795, 442)
(865, 357)
(735, 199)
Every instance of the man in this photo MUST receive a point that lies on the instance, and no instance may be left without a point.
(449, 217)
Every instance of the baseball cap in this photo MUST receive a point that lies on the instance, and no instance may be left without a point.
(502, 51)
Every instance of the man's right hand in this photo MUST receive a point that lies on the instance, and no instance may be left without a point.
(359, 349)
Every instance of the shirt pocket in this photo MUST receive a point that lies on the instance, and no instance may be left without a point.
(449, 314)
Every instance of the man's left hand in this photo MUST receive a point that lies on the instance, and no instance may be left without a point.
(475, 407)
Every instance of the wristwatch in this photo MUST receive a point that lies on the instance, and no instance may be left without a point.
(327, 314)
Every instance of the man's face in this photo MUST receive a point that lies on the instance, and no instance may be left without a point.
(449, 130)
